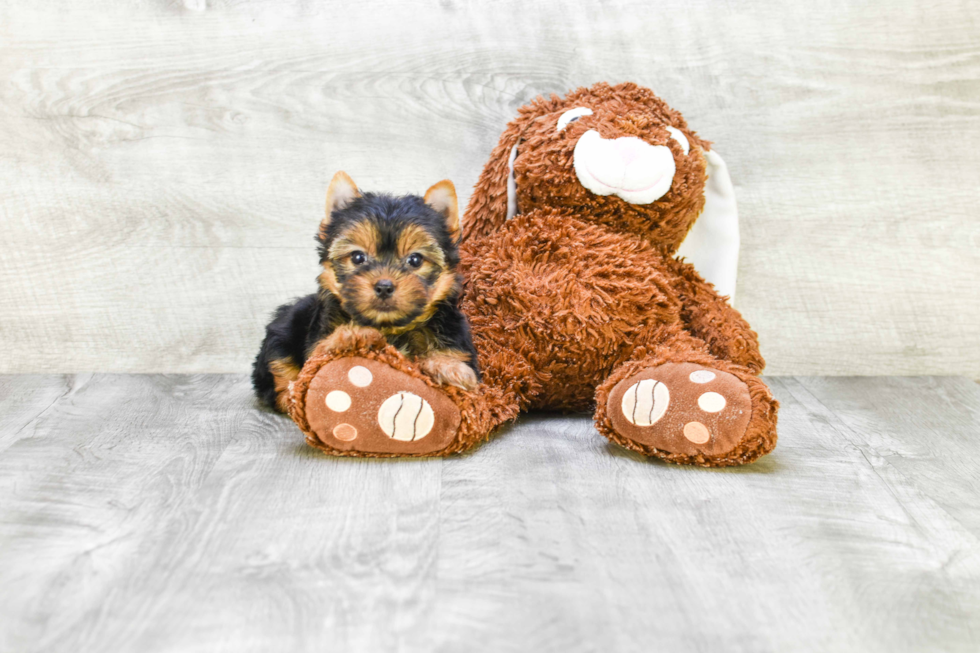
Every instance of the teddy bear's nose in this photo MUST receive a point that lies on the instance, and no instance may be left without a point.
(628, 149)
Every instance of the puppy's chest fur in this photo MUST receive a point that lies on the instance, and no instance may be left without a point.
(415, 343)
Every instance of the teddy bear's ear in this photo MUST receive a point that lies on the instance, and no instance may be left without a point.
(712, 243)
(341, 192)
(441, 197)
(494, 198)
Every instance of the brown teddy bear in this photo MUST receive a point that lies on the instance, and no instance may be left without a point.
(576, 301)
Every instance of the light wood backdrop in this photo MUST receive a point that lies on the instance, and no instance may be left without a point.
(163, 164)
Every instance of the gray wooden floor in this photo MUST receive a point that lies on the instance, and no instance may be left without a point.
(167, 513)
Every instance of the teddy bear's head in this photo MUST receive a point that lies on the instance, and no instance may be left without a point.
(618, 155)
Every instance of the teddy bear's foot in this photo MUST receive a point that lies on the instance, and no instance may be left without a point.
(361, 406)
(691, 413)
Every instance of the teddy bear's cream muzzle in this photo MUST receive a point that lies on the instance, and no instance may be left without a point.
(628, 167)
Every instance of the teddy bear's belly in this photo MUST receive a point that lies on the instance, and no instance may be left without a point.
(572, 300)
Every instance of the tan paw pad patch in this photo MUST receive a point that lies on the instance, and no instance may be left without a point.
(345, 432)
(645, 402)
(338, 401)
(711, 402)
(696, 432)
(360, 376)
(406, 416)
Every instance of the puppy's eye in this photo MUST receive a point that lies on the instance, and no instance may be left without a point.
(358, 258)
(571, 116)
(415, 260)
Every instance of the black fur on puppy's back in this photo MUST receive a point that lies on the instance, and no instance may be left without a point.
(286, 338)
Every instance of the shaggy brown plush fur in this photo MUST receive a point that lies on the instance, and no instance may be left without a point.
(580, 294)
(580, 291)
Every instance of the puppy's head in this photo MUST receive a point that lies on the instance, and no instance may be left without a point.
(390, 260)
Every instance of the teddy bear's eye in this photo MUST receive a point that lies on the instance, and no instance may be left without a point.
(679, 136)
(571, 116)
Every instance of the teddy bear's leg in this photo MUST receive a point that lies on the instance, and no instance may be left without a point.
(366, 399)
(711, 319)
(682, 404)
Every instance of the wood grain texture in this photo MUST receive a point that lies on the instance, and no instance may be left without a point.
(164, 163)
(23, 399)
(168, 513)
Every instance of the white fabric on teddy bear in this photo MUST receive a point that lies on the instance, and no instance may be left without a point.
(712, 244)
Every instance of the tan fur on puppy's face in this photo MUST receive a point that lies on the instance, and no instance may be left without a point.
(418, 289)
(415, 239)
(362, 236)
(408, 300)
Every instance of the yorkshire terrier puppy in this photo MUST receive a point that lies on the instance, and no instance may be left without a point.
(389, 271)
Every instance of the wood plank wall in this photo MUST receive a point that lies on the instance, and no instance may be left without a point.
(163, 164)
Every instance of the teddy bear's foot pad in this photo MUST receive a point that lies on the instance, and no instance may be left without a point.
(361, 405)
(681, 408)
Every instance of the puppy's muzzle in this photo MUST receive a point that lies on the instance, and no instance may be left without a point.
(384, 288)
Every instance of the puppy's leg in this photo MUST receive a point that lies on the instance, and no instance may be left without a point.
(449, 367)
(282, 353)
(284, 372)
(449, 358)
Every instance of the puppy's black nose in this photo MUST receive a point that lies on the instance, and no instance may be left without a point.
(384, 288)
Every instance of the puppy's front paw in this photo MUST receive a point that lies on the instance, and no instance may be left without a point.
(349, 338)
(448, 369)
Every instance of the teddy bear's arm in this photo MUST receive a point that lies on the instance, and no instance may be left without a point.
(708, 316)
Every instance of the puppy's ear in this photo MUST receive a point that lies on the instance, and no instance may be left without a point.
(341, 192)
(441, 197)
